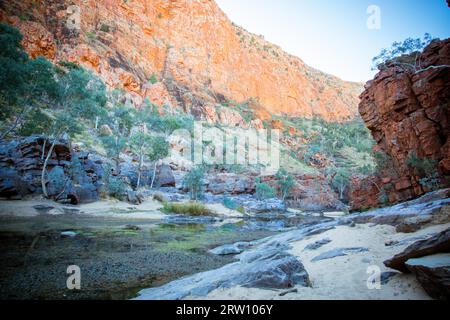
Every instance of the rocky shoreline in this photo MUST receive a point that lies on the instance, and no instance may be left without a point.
(271, 264)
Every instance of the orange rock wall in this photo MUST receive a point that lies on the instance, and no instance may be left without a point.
(407, 113)
(198, 55)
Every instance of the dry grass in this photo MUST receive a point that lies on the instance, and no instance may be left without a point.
(190, 208)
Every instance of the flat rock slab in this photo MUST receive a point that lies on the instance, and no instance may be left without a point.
(439, 243)
(42, 208)
(267, 265)
(318, 244)
(433, 273)
(271, 268)
(229, 249)
(387, 276)
(338, 253)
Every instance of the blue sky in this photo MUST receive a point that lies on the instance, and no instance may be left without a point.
(333, 36)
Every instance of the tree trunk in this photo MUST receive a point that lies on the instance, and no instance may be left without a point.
(44, 169)
(43, 149)
(154, 174)
(141, 159)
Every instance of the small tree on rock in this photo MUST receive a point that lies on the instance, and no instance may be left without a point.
(285, 183)
(193, 181)
(406, 55)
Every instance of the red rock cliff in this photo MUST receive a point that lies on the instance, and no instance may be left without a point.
(198, 55)
(407, 113)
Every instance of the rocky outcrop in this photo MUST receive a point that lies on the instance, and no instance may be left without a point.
(430, 209)
(310, 192)
(408, 114)
(439, 243)
(164, 176)
(433, 273)
(338, 252)
(271, 268)
(265, 263)
(72, 174)
(197, 57)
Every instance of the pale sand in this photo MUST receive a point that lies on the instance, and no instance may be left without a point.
(220, 210)
(148, 210)
(345, 277)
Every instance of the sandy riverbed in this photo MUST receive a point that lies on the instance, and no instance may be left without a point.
(344, 277)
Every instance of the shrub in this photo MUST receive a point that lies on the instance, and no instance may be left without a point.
(230, 203)
(153, 79)
(116, 188)
(426, 169)
(285, 183)
(190, 208)
(113, 186)
(104, 28)
(193, 181)
(264, 191)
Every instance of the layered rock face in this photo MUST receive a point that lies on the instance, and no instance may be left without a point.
(198, 57)
(21, 165)
(310, 192)
(408, 114)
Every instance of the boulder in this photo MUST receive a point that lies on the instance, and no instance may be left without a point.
(270, 267)
(318, 244)
(387, 276)
(439, 243)
(433, 273)
(105, 131)
(164, 176)
(133, 197)
(230, 249)
(431, 208)
(439, 216)
(338, 253)
(21, 166)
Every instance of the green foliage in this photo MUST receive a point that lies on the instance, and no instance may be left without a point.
(120, 119)
(114, 146)
(116, 188)
(158, 148)
(25, 85)
(426, 169)
(37, 98)
(69, 65)
(383, 196)
(285, 183)
(230, 203)
(340, 179)
(193, 181)
(153, 79)
(264, 191)
(113, 186)
(191, 208)
(165, 123)
(104, 28)
(91, 35)
(409, 47)
(348, 145)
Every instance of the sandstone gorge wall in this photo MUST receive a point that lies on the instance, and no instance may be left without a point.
(407, 113)
(198, 55)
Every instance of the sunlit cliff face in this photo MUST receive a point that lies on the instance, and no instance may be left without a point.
(199, 57)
